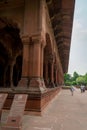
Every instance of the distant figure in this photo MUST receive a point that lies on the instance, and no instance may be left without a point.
(82, 88)
(72, 90)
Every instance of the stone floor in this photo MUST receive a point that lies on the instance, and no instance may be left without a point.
(65, 112)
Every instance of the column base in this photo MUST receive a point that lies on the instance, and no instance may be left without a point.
(23, 82)
(37, 85)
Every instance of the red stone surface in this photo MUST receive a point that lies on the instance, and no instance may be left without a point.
(14, 120)
(23, 82)
(3, 97)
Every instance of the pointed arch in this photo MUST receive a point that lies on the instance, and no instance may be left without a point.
(11, 47)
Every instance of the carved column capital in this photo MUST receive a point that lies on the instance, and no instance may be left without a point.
(33, 39)
(25, 39)
(36, 38)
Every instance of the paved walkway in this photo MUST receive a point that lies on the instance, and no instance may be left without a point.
(65, 112)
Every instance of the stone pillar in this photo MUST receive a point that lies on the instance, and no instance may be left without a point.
(36, 84)
(25, 64)
(51, 68)
(11, 75)
(41, 59)
(60, 78)
(36, 59)
(11, 63)
(52, 72)
(46, 72)
(31, 56)
(56, 76)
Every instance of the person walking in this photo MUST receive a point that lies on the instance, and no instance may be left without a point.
(72, 90)
(82, 88)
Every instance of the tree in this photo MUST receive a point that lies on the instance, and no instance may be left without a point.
(67, 79)
(76, 79)
(75, 76)
(80, 80)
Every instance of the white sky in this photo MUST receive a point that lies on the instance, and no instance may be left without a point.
(78, 51)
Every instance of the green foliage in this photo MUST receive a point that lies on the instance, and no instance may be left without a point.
(68, 83)
(80, 80)
(67, 79)
(75, 76)
(74, 83)
(67, 76)
(76, 79)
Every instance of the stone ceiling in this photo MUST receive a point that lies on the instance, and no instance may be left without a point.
(61, 14)
(11, 3)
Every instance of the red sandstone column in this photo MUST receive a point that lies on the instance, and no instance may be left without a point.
(31, 51)
(46, 71)
(36, 60)
(11, 75)
(56, 77)
(36, 82)
(62, 79)
(52, 72)
(41, 59)
(12, 62)
(59, 77)
(25, 66)
(41, 65)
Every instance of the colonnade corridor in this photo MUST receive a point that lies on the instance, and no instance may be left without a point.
(65, 112)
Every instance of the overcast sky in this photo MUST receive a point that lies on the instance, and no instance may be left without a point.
(78, 51)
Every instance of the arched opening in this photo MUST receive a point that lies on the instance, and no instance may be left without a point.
(17, 70)
(11, 48)
(47, 61)
(1, 74)
(3, 60)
